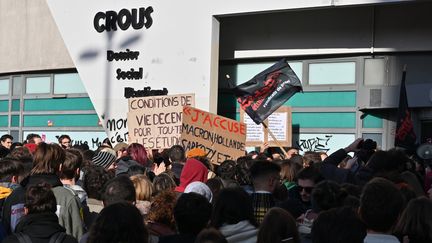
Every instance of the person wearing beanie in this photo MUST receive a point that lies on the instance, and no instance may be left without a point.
(193, 170)
(104, 159)
(196, 152)
(200, 188)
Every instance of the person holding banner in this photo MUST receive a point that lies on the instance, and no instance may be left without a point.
(266, 92)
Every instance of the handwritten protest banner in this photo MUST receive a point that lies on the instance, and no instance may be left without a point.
(156, 121)
(279, 122)
(220, 137)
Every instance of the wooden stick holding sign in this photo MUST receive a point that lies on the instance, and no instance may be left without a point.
(275, 139)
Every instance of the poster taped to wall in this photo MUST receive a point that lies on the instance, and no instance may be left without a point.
(220, 137)
(156, 121)
(279, 122)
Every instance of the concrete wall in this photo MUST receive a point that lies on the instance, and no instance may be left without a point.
(29, 38)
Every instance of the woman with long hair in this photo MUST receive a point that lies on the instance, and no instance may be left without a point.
(415, 224)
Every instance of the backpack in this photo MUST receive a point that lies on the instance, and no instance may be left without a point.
(58, 237)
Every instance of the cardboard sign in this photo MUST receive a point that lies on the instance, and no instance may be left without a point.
(279, 122)
(220, 137)
(156, 121)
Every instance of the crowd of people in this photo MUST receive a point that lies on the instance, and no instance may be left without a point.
(124, 193)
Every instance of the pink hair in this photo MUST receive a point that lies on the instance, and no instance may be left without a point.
(138, 153)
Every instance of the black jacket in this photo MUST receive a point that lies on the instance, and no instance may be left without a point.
(68, 203)
(330, 171)
(40, 228)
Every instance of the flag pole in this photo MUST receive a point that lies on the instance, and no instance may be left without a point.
(274, 139)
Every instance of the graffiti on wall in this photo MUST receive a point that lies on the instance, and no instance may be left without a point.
(316, 144)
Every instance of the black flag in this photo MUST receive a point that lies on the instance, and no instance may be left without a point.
(404, 135)
(267, 91)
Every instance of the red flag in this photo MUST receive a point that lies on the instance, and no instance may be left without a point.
(404, 136)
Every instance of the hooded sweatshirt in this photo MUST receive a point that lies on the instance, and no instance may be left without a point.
(192, 171)
(243, 232)
(69, 207)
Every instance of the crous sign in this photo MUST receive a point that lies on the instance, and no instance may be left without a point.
(137, 18)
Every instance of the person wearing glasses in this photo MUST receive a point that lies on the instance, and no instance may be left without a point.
(307, 178)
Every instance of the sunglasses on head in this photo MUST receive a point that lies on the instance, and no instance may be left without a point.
(307, 189)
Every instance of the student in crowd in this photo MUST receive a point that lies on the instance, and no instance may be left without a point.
(70, 173)
(178, 159)
(200, 188)
(120, 149)
(307, 178)
(193, 170)
(65, 141)
(192, 213)
(144, 192)
(380, 207)
(11, 172)
(105, 158)
(95, 179)
(160, 220)
(215, 185)
(310, 158)
(338, 225)
(119, 222)
(227, 173)
(325, 195)
(265, 177)
(233, 216)
(243, 173)
(128, 163)
(6, 141)
(119, 189)
(278, 226)
(40, 223)
(291, 151)
(5, 145)
(415, 224)
(289, 171)
(47, 163)
(23, 155)
(163, 182)
(33, 138)
(138, 153)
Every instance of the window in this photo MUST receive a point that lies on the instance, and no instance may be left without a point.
(38, 85)
(17, 85)
(377, 137)
(4, 86)
(69, 83)
(332, 73)
(247, 71)
(374, 71)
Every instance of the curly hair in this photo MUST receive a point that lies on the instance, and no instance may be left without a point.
(162, 209)
(163, 182)
(95, 177)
